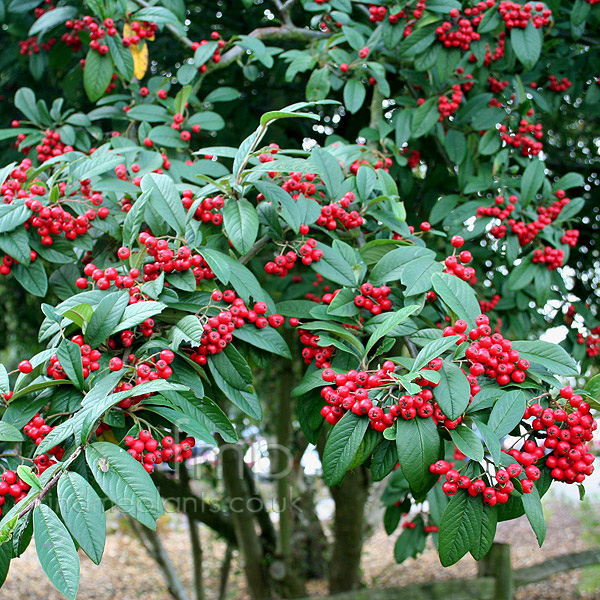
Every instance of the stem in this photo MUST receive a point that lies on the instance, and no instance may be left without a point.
(195, 540)
(224, 574)
(153, 545)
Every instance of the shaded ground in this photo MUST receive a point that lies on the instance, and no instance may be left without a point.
(127, 572)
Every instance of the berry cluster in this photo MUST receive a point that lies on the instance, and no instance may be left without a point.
(498, 494)
(49, 147)
(448, 107)
(570, 237)
(592, 342)
(216, 57)
(13, 486)
(517, 15)
(380, 163)
(496, 86)
(377, 13)
(167, 260)
(313, 351)
(30, 45)
(37, 429)
(335, 214)
(206, 210)
(498, 231)
(567, 431)
(465, 32)
(218, 329)
(352, 393)
(552, 257)
(104, 278)
(559, 86)
(528, 145)
(527, 233)
(410, 14)
(283, 263)
(89, 360)
(8, 261)
(489, 353)
(150, 369)
(374, 299)
(150, 451)
(300, 183)
(489, 305)
(455, 265)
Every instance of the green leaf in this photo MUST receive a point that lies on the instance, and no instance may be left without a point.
(267, 339)
(56, 551)
(485, 532)
(137, 313)
(522, 275)
(9, 433)
(97, 74)
(456, 146)
(52, 18)
(385, 458)
(341, 447)
(205, 411)
(6, 555)
(29, 477)
(215, 261)
(466, 440)
(33, 278)
(354, 95)
(507, 412)
(424, 117)
(410, 543)
(552, 356)
(459, 527)
(167, 137)
(83, 513)
(286, 204)
(457, 295)
(353, 37)
(327, 166)
(13, 215)
(391, 321)
(527, 44)
(335, 267)
(318, 85)
(490, 438)
(26, 103)
(418, 444)
(69, 356)
(416, 276)
(391, 266)
(453, 391)
(106, 317)
(434, 349)
(122, 58)
(232, 367)
(535, 514)
(125, 482)
(240, 222)
(165, 200)
(532, 180)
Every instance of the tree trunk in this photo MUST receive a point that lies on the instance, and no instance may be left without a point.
(496, 563)
(248, 540)
(350, 498)
(151, 542)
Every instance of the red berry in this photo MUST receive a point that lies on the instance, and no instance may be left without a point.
(25, 366)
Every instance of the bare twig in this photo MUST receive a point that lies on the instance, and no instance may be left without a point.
(151, 542)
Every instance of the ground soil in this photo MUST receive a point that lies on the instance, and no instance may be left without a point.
(127, 572)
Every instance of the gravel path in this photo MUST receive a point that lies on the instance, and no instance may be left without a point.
(127, 572)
